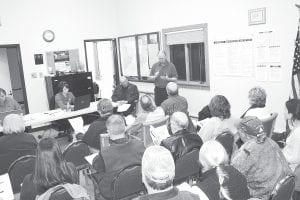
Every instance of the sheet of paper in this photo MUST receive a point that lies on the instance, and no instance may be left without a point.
(129, 120)
(123, 107)
(159, 133)
(275, 73)
(90, 158)
(77, 124)
(261, 72)
(6, 192)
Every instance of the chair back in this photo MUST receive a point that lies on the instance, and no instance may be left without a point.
(284, 189)
(7, 159)
(297, 181)
(146, 129)
(128, 182)
(19, 169)
(269, 123)
(226, 139)
(60, 194)
(75, 153)
(187, 166)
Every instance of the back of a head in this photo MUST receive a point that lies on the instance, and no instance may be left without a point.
(158, 168)
(252, 127)
(180, 119)
(2, 91)
(257, 96)
(105, 107)
(147, 103)
(13, 123)
(115, 125)
(219, 106)
(172, 88)
(212, 154)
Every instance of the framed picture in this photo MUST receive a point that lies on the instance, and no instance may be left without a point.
(38, 59)
(257, 16)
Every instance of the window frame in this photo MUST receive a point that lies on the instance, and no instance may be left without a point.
(137, 78)
(203, 26)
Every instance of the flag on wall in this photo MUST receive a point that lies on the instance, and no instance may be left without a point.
(296, 70)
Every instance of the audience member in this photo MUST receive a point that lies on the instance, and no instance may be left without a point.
(92, 135)
(51, 170)
(64, 99)
(15, 140)
(7, 103)
(121, 153)
(126, 92)
(175, 102)
(291, 151)
(161, 73)
(221, 119)
(158, 172)
(257, 100)
(181, 141)
(204, 113)
(259, 159)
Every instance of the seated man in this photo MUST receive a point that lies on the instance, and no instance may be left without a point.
(158, 172)
(126, 93)
(181, 141)
(92, 135)
(7, 103)
(175, 102)
(121, 153)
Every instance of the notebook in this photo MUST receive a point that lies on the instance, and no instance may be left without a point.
(4, 114)
(82, 102)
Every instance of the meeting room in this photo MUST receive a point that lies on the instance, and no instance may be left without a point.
(150, 99)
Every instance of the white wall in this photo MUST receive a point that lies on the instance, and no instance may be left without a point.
(23, 22)
(225, 18)
(5, 82)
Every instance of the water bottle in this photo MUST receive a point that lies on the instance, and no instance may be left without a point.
(68, 106)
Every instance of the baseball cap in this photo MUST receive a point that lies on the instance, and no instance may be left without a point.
(251, 125)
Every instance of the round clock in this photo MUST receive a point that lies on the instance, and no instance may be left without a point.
(48, 35)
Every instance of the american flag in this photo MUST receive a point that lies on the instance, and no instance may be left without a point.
(296, 70)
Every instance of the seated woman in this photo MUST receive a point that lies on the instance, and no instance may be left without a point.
(213, 159)
(64, 98)
(257, 100)
(259, 159)
(291, 151)
(221, 119)
(51, 170)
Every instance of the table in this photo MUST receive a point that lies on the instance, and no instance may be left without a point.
(44, 118)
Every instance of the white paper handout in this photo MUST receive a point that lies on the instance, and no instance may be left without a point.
(77, 124)
(159, 133)
(6, 192)
(124, 107)
(90, 158)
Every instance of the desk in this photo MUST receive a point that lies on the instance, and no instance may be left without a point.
(39, 119)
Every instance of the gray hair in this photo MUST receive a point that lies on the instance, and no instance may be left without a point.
(115, 125)
(172, 88)
(180, 119)
(158, 168)
(13, 123)
(257, 96)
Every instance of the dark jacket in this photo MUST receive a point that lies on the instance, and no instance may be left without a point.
(172, 194)
(182, 142)
(92, 135)
(120, 154)
(129, 93)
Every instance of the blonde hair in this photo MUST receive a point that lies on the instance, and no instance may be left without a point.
(13, 123)
(212, 154)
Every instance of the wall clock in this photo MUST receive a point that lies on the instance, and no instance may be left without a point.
(48, 35)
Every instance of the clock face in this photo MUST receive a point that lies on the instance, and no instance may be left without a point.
(48, 36)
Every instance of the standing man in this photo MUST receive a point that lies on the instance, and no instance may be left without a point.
(7, 103)
(162, 73)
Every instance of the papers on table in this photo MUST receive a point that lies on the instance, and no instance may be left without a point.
(123, 107)
(90, 158)
(77, 124)
(6, 192)
(159, 133)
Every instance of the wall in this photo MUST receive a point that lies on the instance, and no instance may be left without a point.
(225, 19)
(5, 82)
(23, 22)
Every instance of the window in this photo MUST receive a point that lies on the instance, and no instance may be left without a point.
(187, 48)
(137, 55)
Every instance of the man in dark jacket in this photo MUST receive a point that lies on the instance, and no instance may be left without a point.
(181, 141)
(121, 153)
(126, 93)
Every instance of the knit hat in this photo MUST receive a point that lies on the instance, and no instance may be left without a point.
(104, 106)
(235, 183)
(251, 126)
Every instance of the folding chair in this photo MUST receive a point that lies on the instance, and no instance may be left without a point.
(269, 123)
(284, 189)
(128, 183)
(19, 169)
(75, 153)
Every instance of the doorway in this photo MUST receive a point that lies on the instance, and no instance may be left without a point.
(101, 60)
(11, 74)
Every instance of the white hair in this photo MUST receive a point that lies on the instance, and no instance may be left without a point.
(13, 123)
